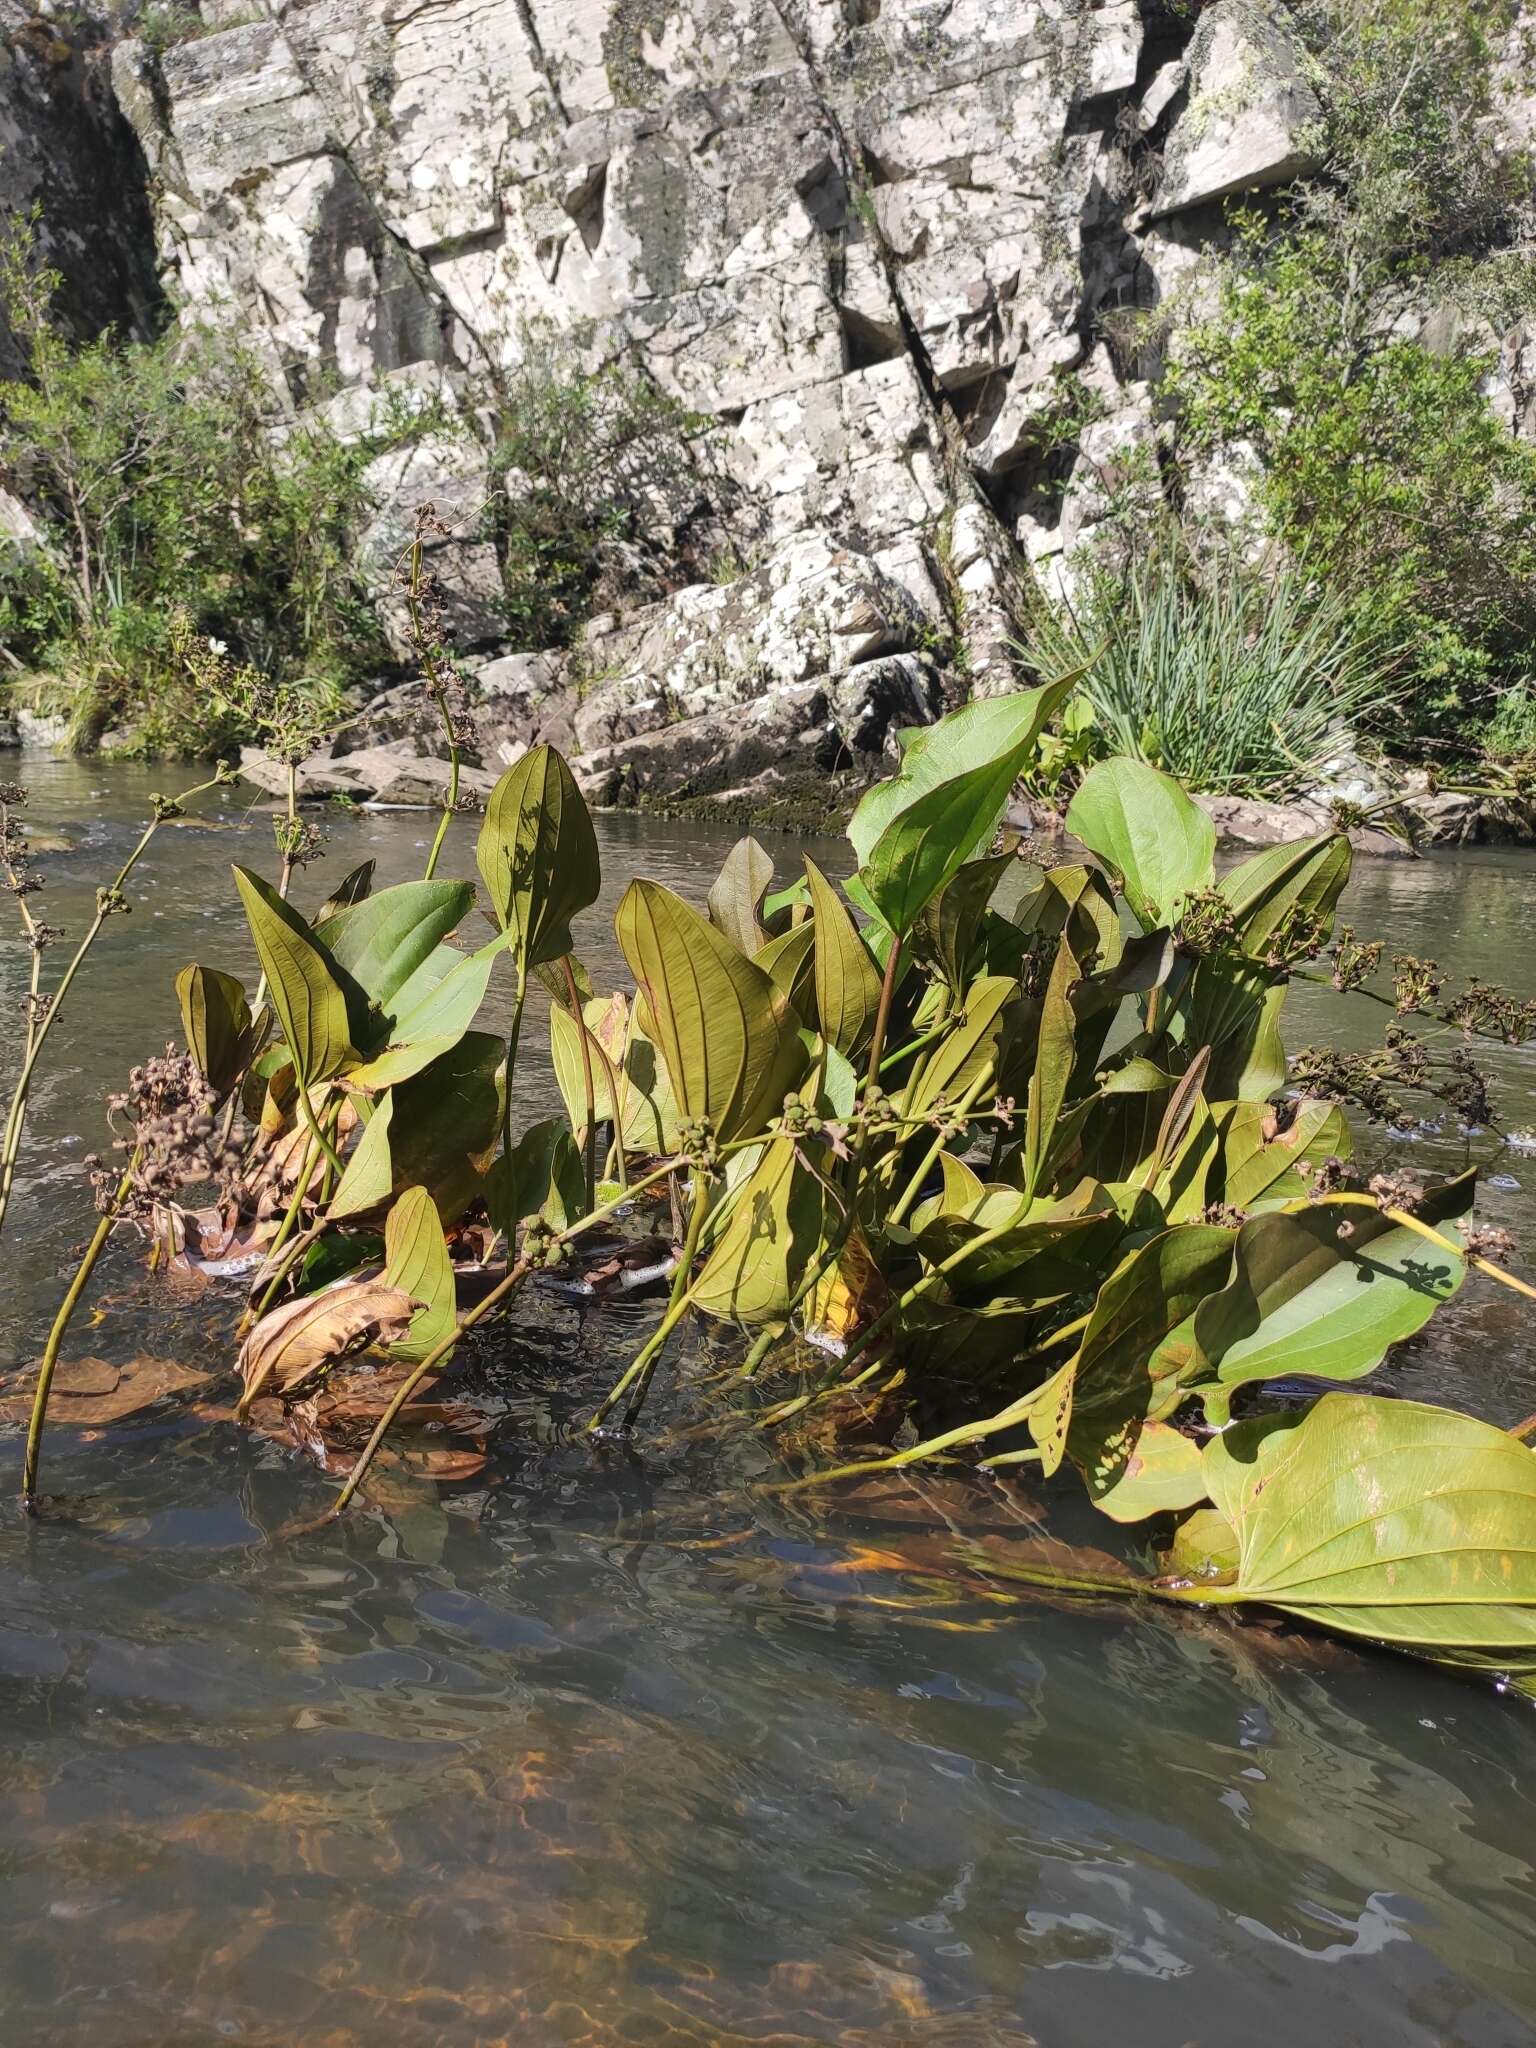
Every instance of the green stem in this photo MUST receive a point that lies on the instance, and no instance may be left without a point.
(638, 1373)
(61, 1323)
(913, 1188)
(15, 1122)
(514, 1033)
(589, 1091)
(307, 1111)
(505, 1288)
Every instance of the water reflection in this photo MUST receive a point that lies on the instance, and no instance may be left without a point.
(602, 1750)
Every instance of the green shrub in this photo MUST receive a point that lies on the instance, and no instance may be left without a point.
(1381, 460)
(1238, 683)
(594, 475)
(165, 491)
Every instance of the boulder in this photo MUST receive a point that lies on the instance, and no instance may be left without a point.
(394, 775)
(1250, 118)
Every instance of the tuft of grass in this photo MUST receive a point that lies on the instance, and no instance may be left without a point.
(1238, 682)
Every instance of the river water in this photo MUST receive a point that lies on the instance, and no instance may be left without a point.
(614, 1749)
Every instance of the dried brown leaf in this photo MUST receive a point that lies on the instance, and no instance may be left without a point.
(91, 1392)
(292, 1344)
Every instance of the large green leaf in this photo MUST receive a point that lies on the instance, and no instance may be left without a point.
(1051, 1076)
(417, 1262)
(736, 897)
(847, 980)
(729, 1040)
(1140, 822)
(537, 853)
(1122, 1376)
(1264, 1150)
(216, 1021)
(941, 808)
(1321, 1290)
(541, 1176)
(384, 942)
(767, 1242)
(437, 1130)
(310, 1002)
(1287, 887)
(1390, 1519)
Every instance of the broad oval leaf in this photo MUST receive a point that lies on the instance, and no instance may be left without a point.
(216, 1021)
(1406, 1523)
(438, 1130)
(728, 1038)
(537, 853)
(914, 831)
(1264, 1149)
(847, 980)
(1140, 822)
(310, 1002)
(1321, 1291)
(960, 1059)
(736, 897)
(769, 1238)
(417, 1263)
(383, 942)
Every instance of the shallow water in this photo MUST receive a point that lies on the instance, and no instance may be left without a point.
(608, 1748)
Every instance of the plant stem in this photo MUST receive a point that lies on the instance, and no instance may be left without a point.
(1433, 1236)
(10, 1146)
(307, 1111)
(514, 1033)
(913, 1188)
(589, 1129)
(504, 1289)
(61, 1323)
(638, 1373)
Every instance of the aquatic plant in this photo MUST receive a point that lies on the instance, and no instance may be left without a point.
(991, 1154)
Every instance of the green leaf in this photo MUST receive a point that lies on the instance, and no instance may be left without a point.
(1292, 884)
(1304, 1299)
(736, 899)
(353, 887)
(417, 1262)
(1233, 1006)
(1406, 1523)
(1263, 1153)
(949, 929)
(384, 942)
(1051, 1076)
(971, 1045)
(1139, 821)
(541, 1176)
(941, 808)
(537, 853)
(437, 1130)
(789, 961)
(768, 1239)
(847, 980)
(216, 1022)
(1160, 1474)
(310, 1003)
(1142, 1302)
(727, 1036)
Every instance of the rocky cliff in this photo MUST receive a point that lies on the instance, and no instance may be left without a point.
(863, 238)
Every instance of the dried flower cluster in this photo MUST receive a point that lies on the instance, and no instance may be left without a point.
(169, 1135)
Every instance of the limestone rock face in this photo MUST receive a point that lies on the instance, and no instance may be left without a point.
(66, 146)
(1250, 118)
(874, 246)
